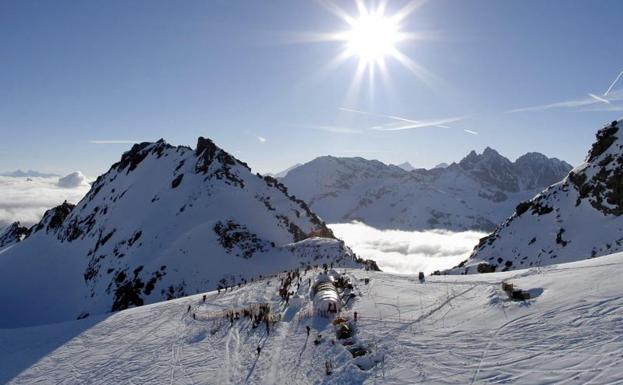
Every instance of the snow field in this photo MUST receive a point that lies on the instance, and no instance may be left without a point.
(447, 330)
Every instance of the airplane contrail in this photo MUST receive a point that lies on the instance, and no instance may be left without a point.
(421, 124)
(599, 98)
(378, 115)
(613, 84)
(470, 131)
(441, 123)
(580, 102)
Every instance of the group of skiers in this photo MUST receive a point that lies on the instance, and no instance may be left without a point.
(232, 287)
(289, 279)
(257, 313)
(294, 273)
(261, 313)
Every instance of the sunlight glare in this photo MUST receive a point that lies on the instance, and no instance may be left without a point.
(372, 37)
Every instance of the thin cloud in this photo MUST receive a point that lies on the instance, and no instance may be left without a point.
(393, 117)
(566, 104)
(330, 128)
(470, 131)
(259, 138)
(591, 100)
(121, 141)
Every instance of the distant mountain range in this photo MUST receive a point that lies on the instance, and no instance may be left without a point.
(476, 193)
(162, 223)
(28, 174)
(577, 218)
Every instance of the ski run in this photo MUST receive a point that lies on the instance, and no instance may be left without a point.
(440, 330)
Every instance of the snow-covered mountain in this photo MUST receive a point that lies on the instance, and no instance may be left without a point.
(285, 172)
(580, 217)
(406, 166)
(477, 193)
(163, 222)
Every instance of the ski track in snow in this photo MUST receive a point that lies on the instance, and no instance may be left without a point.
(448, 330)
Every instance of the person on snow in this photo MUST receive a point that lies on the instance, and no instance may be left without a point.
(188, 311)
(328, 367)
(204, 298)
(308, 330)
(355, 316)
(259, 350)
(318, 339)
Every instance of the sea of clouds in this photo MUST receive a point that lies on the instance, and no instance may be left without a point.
(25, 199)
(408, 252)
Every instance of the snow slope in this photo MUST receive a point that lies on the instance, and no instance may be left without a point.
(451, 329)
(475, 194)
(285, 172)
(580, 217)
(164, 222)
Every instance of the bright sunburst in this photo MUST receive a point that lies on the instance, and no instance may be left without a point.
(372, 36)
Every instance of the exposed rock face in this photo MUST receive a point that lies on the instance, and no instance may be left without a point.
(53, 219)
(601, 182)
(536, 170)
(163, 222)
(491, 169)
(13, 234)
(577, 218)
(474, 194)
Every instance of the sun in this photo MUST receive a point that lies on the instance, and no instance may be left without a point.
(372, 37)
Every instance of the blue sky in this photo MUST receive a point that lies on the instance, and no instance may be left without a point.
(76, 71)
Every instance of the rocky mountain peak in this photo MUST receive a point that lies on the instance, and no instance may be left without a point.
(600, 179)
(165, 221)
(476, 194)
(53, 218)
(491, 153)
(488, 158)
(584, 210)
(14, 233)
(532, 157)
(492, 169)
(406, 166)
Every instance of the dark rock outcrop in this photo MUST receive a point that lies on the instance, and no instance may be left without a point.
(580, 217)
(13, 234)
